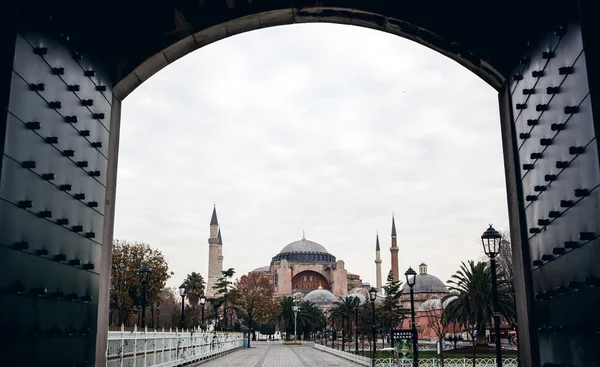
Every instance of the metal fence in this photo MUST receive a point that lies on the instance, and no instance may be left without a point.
(364, 361)
(423, 362)
(450, 362)
(166, 348)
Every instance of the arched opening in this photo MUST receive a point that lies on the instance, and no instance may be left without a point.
(143, 38)
(309, 280)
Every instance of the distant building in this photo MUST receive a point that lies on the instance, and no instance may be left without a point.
(303, 266)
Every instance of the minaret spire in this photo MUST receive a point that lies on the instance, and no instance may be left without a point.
(394, 252)
(213, 219)
(219, 237)
(378, 264)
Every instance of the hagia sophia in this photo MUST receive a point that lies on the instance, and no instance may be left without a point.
(305, 269)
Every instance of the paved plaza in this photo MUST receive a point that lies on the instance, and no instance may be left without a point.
(278, 356)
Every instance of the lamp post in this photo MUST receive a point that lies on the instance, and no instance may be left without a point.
(182, 291)
(157, 316)
(490, 239)
(356, 325)
(144, 279)
(202, 303)
(373, 296)
(411, 278)
(295, 308)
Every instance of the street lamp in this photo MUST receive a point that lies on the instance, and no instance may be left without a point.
(411, 278)
(202, 303)
(491, 239)
(373, 296)
(144, 279)
(356, 306)
(295, 308)
(182, 293)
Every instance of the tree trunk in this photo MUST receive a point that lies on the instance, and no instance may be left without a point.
(474, 344)
(442, 352)
(152, 316)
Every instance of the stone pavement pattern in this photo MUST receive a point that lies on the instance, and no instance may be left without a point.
(278, 356)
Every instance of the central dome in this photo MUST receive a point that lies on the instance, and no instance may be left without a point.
(304, 251)
(304, 245)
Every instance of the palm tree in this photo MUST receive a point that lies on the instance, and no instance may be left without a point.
(194, 284)
(344, 309)
(286, 317)
(473, 306)
(310, 319)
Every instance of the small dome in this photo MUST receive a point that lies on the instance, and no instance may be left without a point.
(447, 301)
(261, 269)
(426, 283)
(321, 298)
(434, 303)
(304, 245)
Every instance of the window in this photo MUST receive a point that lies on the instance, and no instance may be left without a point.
(314, 286)
(302, 286)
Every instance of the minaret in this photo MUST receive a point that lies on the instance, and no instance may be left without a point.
(378, 265)
(394, 252)
(215, 255)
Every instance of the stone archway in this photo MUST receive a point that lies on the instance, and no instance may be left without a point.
(65, 70)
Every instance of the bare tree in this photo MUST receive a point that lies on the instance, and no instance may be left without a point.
(438, 322)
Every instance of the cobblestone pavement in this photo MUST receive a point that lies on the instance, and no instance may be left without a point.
(278, 356)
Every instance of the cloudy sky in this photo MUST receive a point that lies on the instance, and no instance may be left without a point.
(324, 128)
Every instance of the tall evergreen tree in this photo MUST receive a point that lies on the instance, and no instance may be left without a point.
(390, 310)
(221, 298)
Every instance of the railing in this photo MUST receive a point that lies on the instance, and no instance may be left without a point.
(423, 362)
(364, 361)
(166, 348)
(449, 362)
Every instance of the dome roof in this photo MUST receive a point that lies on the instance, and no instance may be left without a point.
(261, 269)
(304, 245)
(434, 303)
(448, 300)
(426, 283)
(321, 298)
(431, 304)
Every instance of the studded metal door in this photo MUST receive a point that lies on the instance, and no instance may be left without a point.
(52, 194)
(560, 177)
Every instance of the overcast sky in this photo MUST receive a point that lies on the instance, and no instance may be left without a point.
(324, 128)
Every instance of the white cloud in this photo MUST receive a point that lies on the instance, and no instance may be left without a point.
(323, 128)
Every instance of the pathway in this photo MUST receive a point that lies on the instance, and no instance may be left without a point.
(278, 356)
